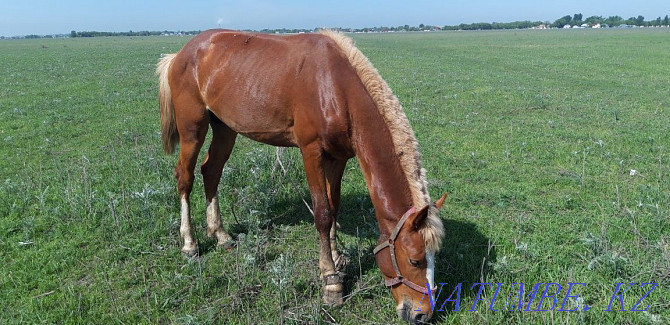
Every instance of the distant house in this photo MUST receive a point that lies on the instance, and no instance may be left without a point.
(567, 26)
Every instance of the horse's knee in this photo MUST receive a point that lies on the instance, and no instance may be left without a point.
(323, 220)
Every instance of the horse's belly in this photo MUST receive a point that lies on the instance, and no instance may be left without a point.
(276, 132)
(280, 139)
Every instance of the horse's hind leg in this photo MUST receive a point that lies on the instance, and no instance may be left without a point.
(223, 140)
(192, 128)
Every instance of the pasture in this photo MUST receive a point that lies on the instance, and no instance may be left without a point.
(554, 146)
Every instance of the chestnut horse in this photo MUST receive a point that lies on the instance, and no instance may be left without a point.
(319, 93)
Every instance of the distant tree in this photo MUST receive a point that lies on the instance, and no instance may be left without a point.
(666, 21)
(483, 26)
(577, 19)
(73, 34)
(614, 20)
(594, 20)
(560, 22)
(656, 22)
(640, 21)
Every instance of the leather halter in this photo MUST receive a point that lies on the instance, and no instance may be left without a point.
(390, 243)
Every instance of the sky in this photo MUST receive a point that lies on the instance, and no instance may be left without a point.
(43, 17)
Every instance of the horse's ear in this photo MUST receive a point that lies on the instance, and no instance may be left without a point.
(438, 203)
(419, 218)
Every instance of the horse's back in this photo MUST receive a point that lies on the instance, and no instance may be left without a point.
(281, 90)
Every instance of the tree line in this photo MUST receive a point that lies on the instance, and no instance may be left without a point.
(572, 20)
(75, 33)
(576, 19)
(614, 21)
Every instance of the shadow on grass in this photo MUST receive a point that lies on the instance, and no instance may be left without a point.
(356, 219)
(464, 258)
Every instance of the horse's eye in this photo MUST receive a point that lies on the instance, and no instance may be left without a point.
(415, 263)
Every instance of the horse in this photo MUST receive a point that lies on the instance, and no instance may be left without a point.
(317, 92)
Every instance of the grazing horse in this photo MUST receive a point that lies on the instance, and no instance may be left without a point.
(319, 93)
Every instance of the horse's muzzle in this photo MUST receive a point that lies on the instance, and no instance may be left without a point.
(406, 313)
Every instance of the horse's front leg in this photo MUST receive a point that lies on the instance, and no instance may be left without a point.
(322, 175)
(334, 170)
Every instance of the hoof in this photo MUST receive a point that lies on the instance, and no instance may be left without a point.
(219, 234)
(332, 290)
(190, 252)
(332, 298)
(228, 245)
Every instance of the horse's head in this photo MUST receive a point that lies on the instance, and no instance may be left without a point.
(408, 264)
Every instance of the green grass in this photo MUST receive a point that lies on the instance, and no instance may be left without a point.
(534, 134)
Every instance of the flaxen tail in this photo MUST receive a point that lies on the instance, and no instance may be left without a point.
(168, 123)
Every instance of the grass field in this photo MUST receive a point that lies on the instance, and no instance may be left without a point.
(554, 145)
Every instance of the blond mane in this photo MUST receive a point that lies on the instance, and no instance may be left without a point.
(404, 141)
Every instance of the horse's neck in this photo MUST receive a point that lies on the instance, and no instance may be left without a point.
(387, 183)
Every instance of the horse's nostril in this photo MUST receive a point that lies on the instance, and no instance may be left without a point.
(405, 315)
(420, 319)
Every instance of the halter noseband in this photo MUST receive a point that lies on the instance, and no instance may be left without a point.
(390, 243)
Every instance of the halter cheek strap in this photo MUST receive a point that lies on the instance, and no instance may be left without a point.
(390, 243)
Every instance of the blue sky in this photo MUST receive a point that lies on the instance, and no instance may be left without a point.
(22, 17)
